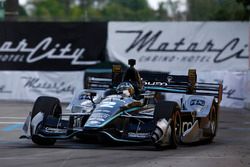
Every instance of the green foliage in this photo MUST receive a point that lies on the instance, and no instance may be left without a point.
(132, 4)
(47, 10)
(87, 10)
(216, 10)
(127, 10)
(22, 12)
(133, 10)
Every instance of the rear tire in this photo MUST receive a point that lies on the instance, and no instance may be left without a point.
(175, 130)
(48, 106)
(169, 110)
(213, 118)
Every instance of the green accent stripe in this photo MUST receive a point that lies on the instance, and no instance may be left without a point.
(165, 89)
(99, 70)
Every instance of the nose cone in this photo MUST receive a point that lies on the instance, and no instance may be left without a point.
(99, 119)
(107, 111)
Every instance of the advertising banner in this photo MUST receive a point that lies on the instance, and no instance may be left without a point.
(45, 46)
(27, 86)
(179, 46)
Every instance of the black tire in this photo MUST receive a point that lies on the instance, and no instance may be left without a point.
(167, 110)
(176, 130)
(49, 106)
(213, 118)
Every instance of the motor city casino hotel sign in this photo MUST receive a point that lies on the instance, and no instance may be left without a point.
(178, 46)
(38, 59)
(51, 46)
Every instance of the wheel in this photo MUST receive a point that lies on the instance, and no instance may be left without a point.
(169, 110)
(175, 129)
(213, 118)
(48, 106)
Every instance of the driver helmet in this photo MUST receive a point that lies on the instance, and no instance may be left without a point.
(126, 89)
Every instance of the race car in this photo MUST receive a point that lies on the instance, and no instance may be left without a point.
(126, 108)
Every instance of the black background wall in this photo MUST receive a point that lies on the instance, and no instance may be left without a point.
(46, 46)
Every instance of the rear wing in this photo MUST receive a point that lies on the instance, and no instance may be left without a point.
(98, 83)
(185, 84)
(111, 81)
(113, 78)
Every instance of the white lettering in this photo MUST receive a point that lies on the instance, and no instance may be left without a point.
(155, 83)
(186, 126)
(107, 104)
(44, 49)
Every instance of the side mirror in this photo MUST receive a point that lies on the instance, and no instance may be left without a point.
(91, 94)
(131, 62)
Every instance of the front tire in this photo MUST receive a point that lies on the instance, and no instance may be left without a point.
(49, 106)
(170, 111)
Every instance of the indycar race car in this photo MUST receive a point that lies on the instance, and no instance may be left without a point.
(126, 108)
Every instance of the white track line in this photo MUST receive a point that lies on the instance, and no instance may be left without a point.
(11, 122)
(12, 117)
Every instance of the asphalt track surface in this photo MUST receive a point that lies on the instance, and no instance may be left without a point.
(231, 147)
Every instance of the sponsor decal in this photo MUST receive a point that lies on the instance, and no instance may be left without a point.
(104, 111)
(149, 41)
(94, 122)
(138, 135)
(198, 102)
(155, 83)
(186, 126)
(37, 85)
(108, 104)
(98, 118)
